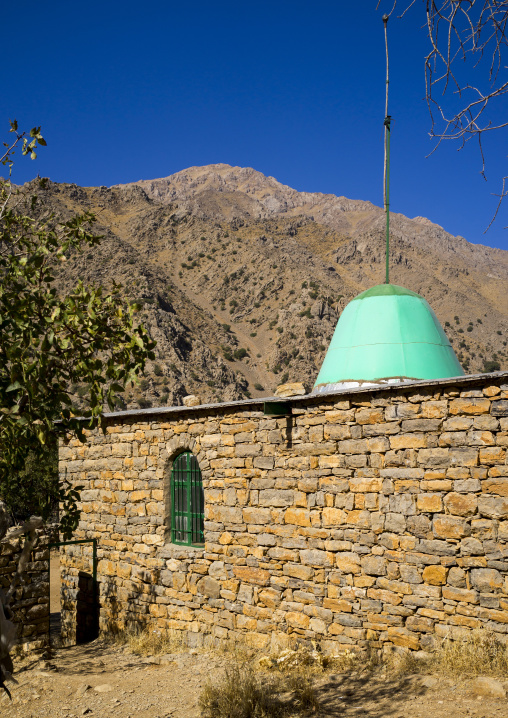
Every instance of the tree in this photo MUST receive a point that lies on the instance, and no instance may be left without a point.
(465, 68)
(48, 343)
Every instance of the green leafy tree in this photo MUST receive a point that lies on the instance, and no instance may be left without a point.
(50, 341)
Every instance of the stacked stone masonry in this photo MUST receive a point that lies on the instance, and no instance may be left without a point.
(30, 601)
(371, 517)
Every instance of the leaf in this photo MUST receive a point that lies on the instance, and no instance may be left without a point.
(12, 387)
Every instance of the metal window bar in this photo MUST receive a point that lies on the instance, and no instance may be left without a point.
(187, 516)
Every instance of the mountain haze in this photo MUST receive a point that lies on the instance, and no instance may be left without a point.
(242, 279)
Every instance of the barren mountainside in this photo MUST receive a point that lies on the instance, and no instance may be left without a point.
(242, 279)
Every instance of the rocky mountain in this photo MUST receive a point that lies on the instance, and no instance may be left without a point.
(242, 279)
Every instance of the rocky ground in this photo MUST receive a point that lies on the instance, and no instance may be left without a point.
(103, 680)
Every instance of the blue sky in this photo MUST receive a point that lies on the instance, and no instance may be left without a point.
(128, 91)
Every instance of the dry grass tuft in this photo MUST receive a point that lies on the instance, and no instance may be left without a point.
(481, 653)
(245, 693)
(151, 642)
(240, 694)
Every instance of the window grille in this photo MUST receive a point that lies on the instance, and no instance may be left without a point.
(187, 501)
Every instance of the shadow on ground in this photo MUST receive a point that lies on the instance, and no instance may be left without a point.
(368, 694)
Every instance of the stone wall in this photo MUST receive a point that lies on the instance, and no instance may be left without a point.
(30, 604)
(374, 516)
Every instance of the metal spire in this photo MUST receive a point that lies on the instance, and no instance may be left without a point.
(386, 176)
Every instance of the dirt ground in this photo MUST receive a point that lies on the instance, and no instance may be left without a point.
(105, 680)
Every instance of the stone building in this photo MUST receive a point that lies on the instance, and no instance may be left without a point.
(371, 511)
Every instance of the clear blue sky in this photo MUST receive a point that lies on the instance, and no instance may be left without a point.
(127, 91)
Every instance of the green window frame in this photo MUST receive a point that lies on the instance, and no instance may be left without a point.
(187, 501)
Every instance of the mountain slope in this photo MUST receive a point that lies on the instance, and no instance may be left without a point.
(242, 279)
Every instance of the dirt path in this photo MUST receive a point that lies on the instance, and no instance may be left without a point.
(103, 681)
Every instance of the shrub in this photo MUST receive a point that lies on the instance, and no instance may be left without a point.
(226, 327)
(240, 353)
(144, 384)
(259, 387)
(157, 370)
(490, 365)
(144, 403)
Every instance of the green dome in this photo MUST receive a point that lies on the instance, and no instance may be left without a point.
(387, 334)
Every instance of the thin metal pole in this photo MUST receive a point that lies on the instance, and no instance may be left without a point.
(386, 174)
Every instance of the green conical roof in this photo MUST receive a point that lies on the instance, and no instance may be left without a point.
(387, 333)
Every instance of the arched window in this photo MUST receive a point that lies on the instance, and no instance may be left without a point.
(187, 501)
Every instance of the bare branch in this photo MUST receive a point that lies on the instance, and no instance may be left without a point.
(466, 73)
(501, 196)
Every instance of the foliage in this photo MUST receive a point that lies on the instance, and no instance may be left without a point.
(490, 365)
(49, 342)
(34, 490)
